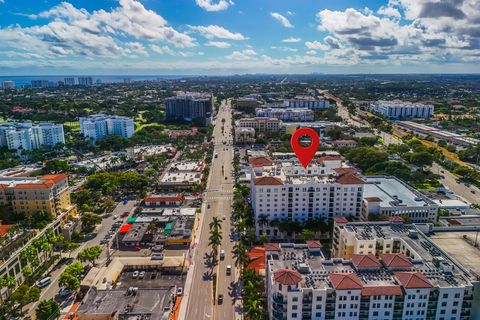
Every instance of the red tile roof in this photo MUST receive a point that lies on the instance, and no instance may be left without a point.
(382, 291)
(4, 228)
(413, 280)
(287, 276)
(56, 178)
(365, 261)
(350, 179)
(272, 247)
(340, 219)
(396, 219)
(395, 260)
(260, 161)
(267, 181)
(314, 244)
(256, 257)
(345, 281)
(47, 184)
(164, 198)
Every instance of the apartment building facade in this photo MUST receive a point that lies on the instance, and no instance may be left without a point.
(261, 125)
(303, 284)
(401, 110)
(29, 195)
(100, 125)
(287, 191)
(286, 114)
(189, 107)
(29, 136)
(307, 103)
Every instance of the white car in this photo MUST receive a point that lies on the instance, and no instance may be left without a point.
(135, 275)
(141, 275)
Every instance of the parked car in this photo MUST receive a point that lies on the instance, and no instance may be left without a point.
(43, 282)
(157, 248)
(141, 275)
(136, 248)
(125, 214)
(157, 256)
(135, 274)
(179, 291)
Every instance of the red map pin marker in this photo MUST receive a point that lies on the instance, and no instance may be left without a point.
(305, 154)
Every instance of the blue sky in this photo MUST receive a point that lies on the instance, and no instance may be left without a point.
(238, 36)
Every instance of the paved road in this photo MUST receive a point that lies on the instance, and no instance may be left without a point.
(218, 197)
(449, 180)
(102, 229)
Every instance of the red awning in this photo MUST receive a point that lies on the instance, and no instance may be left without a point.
(125, 228)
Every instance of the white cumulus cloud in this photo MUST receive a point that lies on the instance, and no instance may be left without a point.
(219, 44)
(284, 21)
(214, 31)
(212, 5)
(292, 40)
(247, 54)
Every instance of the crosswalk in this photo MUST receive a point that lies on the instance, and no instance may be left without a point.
(219, 197)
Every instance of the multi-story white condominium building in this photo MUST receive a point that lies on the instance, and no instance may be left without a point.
(403, 276)
(307, 103)
(189, 107)
(400, 110)
(8, 85)
(286, 114)
(286, 190)
(70, 81)
(392, 197)
(40, 83)
(261, 125)
(85, 81)
(28, 136)
(99, 125)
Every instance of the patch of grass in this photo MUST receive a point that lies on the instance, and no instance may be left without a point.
(73, 126)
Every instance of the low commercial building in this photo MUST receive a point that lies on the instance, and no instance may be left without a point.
(126, 304)
(286, 114)
(402, 276)
(383, 195)
(164, 200)
(183, 175)
(401, 110)
(438, 134)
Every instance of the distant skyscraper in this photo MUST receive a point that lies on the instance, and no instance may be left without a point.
(70, 81)
(189, 107)
(40, 84)
(99, 125)
(85, 81)
(27, 136)
(8, 85)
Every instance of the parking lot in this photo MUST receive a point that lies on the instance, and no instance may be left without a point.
(151, 279)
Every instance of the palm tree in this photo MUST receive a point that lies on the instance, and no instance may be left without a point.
(308, 234)
(240, 255)
(263, 238)
(216, 224)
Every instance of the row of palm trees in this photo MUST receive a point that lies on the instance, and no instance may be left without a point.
(215, 238)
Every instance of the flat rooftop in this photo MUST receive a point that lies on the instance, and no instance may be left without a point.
(149, 303)
(391, 190)
(425, 252)
(456, 246)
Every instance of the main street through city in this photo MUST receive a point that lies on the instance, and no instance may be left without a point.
(218, 203)
(101, 230)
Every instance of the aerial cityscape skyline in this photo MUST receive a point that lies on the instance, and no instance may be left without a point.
(207, 37)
